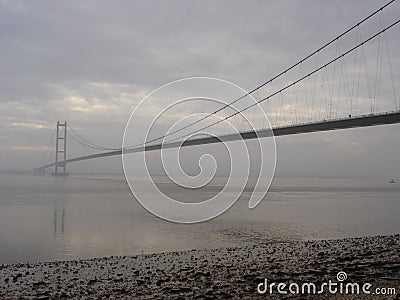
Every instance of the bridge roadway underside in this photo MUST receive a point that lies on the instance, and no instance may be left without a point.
(351, 122)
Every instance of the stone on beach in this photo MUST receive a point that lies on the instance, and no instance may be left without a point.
(217, 273)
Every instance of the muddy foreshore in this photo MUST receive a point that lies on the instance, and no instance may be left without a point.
(209, 274)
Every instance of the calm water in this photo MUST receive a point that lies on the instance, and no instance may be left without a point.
(48, 218)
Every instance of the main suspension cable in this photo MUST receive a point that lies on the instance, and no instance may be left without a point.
(272, 79)
(293, 83)
(85, 142)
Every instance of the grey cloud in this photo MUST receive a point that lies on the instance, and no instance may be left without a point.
(111, 54)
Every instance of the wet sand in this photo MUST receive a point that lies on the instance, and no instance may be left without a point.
(227, 273)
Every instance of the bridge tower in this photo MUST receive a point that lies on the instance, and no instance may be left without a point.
(61, 148)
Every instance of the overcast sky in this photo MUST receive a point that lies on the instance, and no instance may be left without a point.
(91, 62)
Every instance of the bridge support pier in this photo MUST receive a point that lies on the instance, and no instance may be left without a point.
(39, 171)
(61, 148)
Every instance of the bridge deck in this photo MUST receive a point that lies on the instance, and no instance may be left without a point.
(351, 122)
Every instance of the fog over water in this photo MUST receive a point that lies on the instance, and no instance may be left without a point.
(47, 218)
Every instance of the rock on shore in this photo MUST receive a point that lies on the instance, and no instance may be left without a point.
(227, 273)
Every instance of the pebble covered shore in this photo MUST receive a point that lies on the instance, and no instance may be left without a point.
(227, 273)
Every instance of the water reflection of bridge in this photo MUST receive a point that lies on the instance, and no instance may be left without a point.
(58, 222)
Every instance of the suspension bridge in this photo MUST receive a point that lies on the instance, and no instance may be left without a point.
(348, 82)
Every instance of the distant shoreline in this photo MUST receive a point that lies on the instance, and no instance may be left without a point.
(217, 273)
(30, 172)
